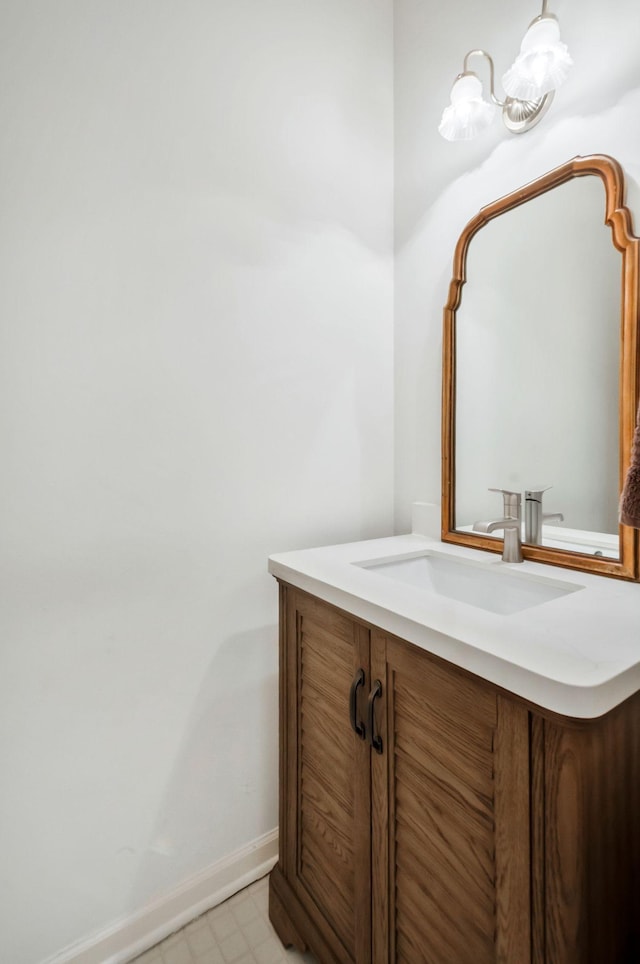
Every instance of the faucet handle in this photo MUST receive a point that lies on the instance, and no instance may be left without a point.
(534, 516)
(536, 492)
(512, 503)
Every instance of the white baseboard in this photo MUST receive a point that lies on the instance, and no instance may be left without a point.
(133, 935)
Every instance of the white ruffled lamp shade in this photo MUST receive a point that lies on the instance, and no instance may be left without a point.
(468, 114)
(542, 64)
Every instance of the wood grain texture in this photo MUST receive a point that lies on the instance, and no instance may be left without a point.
(440, 787)
(283, 728)
(592, 839)
(618, 218)
(382, 899)
(287, 924)
(326, 644)
(484, 832)
(566, 843)
(291, 921)
(537, 840)
(513, 833)
(325, 856)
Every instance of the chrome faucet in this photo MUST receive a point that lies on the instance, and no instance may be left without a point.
(511, 523)
(534, 516)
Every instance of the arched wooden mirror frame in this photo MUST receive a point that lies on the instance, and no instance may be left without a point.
(618, 218)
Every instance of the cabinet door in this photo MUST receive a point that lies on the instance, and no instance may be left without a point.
(587, 830)
(450, 800)
(326, 846)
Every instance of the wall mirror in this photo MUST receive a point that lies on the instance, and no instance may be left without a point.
(540, 374)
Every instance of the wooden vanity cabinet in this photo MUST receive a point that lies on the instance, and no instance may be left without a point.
(464, 827)
(325, 798)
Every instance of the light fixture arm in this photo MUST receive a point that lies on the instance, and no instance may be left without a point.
(545, 15)
(483, 53)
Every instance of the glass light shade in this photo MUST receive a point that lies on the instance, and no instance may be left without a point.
(542, 64)
(468, 114)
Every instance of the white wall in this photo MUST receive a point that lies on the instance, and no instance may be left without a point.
(440, 185)
(196, 317)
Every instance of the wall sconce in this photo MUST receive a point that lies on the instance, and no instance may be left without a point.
(541, 66)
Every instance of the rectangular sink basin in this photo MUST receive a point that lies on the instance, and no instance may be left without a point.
(488, 586)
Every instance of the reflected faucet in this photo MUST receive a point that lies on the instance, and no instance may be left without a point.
(534, 516)
(511, 523)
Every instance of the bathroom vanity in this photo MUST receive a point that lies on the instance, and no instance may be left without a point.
(458, 784)
(460, 733)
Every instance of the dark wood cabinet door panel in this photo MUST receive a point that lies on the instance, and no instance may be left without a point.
(590, 861)
(439, 769)
(328, 847)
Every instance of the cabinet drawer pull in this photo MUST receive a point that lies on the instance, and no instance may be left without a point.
(376, 741)
(357, 727)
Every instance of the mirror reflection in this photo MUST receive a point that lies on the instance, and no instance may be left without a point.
(537, 372)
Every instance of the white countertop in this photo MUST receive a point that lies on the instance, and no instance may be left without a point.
(578, 655)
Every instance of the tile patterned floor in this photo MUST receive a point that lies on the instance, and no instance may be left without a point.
(236, 932)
